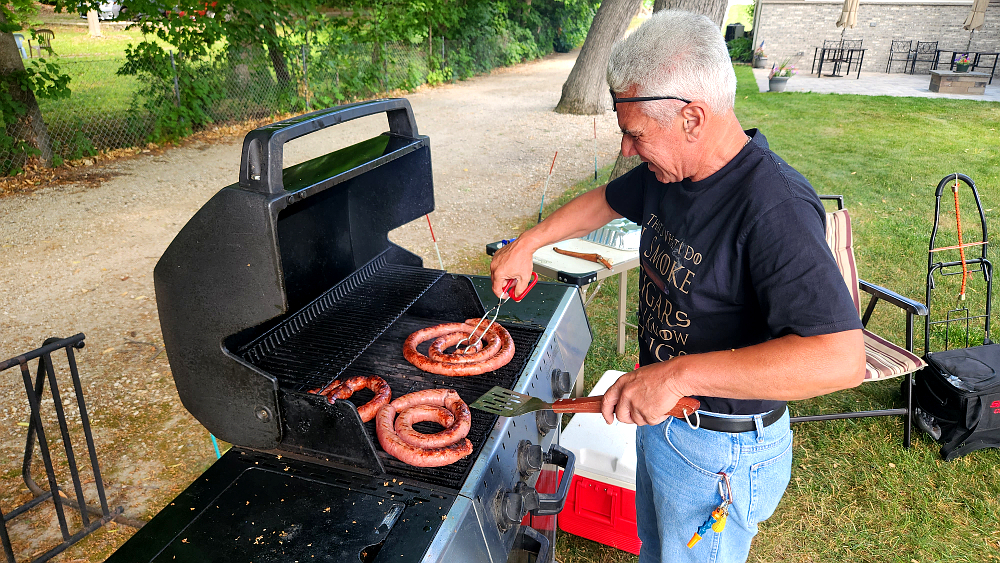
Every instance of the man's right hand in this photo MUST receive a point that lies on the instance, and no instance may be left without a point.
(512, 262)
(577, 218)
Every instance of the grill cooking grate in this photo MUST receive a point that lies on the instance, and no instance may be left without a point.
(385, 359)
(315, 345)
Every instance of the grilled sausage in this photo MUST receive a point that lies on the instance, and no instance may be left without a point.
(461, 339)
(496, 333)
(428, 413)
(337, 389)
(433, 452)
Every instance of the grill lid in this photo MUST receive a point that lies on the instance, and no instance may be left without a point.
(262, 249)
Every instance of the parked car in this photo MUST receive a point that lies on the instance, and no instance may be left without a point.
(109, 10)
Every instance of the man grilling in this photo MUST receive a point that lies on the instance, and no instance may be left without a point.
(741, 304)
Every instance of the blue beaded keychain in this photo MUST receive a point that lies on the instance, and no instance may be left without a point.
(716, 521)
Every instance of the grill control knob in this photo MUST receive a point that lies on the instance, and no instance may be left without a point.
(513, 506)
(546, 421)
(529, 459)
(561, 382)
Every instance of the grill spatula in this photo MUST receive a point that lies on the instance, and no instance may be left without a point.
(505, 402)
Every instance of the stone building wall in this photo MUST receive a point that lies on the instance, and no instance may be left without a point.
(794, 28)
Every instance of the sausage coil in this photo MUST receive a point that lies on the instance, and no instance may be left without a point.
(401, 441)
(337, 389)
(497, 349)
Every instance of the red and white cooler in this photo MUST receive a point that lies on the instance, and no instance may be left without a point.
(601, 501)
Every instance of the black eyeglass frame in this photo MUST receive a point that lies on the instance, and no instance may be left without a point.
(615, 101)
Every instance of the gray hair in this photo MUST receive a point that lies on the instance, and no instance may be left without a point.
(674, 53)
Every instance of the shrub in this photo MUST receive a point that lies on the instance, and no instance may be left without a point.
(740, 50)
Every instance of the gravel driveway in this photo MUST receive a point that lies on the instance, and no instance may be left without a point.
(80, 259)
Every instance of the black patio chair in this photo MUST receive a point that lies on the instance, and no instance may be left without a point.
(834, 52)
(827, 45)
(851, 48)
(899, 51)
(980, 61)
(926, 52)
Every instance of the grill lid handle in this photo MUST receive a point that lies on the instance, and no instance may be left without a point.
(263, 148)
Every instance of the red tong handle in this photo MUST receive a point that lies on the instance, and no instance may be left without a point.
(509, 288)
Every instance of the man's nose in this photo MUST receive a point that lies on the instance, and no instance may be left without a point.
(628, 146)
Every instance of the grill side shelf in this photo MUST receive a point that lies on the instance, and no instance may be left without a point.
(323, 338)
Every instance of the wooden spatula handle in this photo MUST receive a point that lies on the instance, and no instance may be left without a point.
(583, 404)
(684, 403)
(593, 405)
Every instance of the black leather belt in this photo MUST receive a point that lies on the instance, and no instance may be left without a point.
(734, 425)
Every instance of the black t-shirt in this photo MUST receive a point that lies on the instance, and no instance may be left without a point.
(731, 261)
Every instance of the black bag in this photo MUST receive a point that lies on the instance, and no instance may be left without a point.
(957, 399)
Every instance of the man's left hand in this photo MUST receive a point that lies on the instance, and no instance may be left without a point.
(641, 397)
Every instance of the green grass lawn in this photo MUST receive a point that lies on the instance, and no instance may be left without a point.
(856, 494)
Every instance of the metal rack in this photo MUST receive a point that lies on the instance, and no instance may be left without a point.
(965, 266)
(91, 518)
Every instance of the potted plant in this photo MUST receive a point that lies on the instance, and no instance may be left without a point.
(779, 75)
(962, 62)
(759, 58)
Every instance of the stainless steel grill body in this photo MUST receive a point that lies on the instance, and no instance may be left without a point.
(286, 281)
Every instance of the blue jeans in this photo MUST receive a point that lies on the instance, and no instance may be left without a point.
(677, 487)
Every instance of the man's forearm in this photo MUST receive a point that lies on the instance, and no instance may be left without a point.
(580, 216)
(786, 369)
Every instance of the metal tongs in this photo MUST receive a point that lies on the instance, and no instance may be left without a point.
(508, 293)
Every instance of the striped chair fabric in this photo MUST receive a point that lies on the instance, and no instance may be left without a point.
(883, 359)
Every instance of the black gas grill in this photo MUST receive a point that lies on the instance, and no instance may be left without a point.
(286, 281)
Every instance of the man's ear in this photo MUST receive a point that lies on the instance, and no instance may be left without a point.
(694, 116)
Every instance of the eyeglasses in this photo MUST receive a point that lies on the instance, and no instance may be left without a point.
(615, 101)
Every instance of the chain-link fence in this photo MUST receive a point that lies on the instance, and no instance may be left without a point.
(117, 103)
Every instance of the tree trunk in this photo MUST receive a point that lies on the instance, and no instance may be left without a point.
(280, 66)
(30, 127)
(94, 23)
(623, 164)
(277, 58)
(715, 10)
(586, 91)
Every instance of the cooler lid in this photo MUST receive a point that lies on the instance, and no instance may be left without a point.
(603, 452)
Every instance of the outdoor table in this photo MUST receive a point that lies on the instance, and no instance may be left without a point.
(582, 273)
(977, 60)
(950, 82)
(839, 55)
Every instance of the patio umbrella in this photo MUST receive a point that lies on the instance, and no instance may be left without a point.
(849, 16)
(976, 19)
(977, 16)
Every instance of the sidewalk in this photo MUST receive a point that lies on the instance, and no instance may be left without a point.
(874, 84)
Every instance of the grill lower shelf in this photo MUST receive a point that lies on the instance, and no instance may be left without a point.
(255, 507)
(385, 359)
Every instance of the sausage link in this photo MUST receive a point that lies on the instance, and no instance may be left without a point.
(433, 451)
(478, 353)
(344, 389)
(426, 413)
(454, 368)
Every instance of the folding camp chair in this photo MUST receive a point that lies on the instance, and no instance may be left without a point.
(883, 359)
